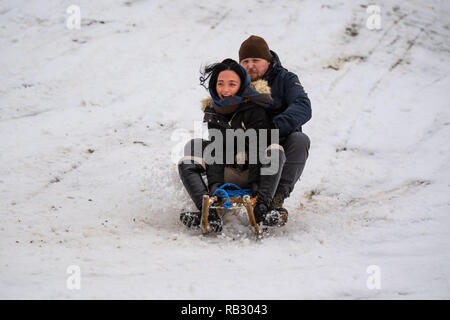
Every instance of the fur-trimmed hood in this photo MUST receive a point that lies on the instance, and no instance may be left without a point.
(259, 85)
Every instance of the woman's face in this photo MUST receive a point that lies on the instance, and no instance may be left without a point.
(228, 84)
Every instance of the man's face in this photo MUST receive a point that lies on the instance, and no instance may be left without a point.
(255, 67)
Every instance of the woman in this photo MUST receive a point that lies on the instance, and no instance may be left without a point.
(234, 104)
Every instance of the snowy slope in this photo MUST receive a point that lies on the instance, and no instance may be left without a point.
(91, 118)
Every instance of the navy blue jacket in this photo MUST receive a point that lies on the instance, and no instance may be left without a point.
(291, 108)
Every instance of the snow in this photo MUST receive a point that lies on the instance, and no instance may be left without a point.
(90, 118)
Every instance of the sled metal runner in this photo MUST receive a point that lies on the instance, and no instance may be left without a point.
(236, 203)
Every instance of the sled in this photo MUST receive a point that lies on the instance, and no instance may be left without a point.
(229, 203)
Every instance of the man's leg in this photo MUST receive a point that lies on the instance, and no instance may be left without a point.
(267, 186)
(296, 148)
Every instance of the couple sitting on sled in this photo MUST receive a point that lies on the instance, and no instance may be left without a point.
(259, 102)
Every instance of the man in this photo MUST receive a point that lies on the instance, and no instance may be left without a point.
(292, 109)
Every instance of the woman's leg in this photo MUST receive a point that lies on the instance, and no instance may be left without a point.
(190, 169)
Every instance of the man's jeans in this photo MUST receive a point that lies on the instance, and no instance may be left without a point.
(296, 148)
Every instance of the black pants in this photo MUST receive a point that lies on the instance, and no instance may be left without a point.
(296, 149)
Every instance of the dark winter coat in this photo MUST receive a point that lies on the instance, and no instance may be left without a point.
(292, 107)
(248, 115)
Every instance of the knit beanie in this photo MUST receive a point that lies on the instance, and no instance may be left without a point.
(254, 47)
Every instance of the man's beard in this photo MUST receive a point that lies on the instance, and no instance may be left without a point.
(254, 75)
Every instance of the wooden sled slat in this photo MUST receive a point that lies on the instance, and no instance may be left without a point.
(249, 205)
(205, 211)
(206, 202)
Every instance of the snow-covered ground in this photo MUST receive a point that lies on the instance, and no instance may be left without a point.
(90, 119)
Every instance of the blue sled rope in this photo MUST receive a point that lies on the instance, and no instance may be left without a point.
(221, 192)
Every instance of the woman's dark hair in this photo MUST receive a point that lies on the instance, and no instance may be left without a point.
(212, 72)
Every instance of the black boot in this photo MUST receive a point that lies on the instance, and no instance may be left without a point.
(268, 180)
(278, 201)
(277, 204)
(193, 219)
(260, 212)
(214, 221)
(191, 175)
(267, 186)
(269, 217)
